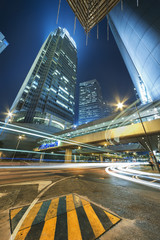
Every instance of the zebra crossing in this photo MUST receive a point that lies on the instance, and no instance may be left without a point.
(67, 217)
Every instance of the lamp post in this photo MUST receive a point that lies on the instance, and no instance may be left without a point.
(148, 140)
(18, 142)
(120, 106)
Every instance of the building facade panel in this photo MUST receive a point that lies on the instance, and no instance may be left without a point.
(137, 31)
(3, 42)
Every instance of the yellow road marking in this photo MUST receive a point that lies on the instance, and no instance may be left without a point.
(50, 221)
(112, 218)
(74, 232)
(49, 229)
(21, 235)
(96, 225)
(69, 203)
(84, 202)
(31, 216)
(14, 212)
(52, 210)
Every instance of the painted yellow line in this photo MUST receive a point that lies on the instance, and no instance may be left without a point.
(112, 218)
(14, 212)
(84, 202)
(69, 203)
(48, 232)
(74, 232)
(21, 235)
(96, 225)
(31, 216)
(52, 210)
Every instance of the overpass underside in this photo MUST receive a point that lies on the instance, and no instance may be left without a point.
(125, 138)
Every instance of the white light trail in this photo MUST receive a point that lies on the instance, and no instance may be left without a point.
(140, 172)
(26, 151)
(45, 135)
(143, 182)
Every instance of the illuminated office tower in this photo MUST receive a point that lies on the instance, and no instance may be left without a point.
(3, 42)
(90, 101)
(136, 30)
(47, 95)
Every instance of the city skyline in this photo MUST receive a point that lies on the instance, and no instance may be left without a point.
(90, 63)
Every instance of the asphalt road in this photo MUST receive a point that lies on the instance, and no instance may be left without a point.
(138, 206)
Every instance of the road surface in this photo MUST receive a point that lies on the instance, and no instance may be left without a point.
(135, 208)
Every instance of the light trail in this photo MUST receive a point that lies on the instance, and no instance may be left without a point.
(47, 136)
(26, 151)
(122, 174)
(141, 173)
(72, 165)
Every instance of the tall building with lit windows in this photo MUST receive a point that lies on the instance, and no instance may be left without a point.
(90, 101)
(47, 95)
(136, 30)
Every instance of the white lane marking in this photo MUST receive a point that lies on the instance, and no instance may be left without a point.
(42, 184)
(31, 206)
(143, 182)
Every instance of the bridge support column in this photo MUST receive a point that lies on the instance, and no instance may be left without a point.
(68, 156)
(101, 157)
(41, 157)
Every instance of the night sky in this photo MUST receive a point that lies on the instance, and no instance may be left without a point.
(26, 25)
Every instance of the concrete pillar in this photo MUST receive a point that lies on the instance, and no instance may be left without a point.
(68, 156)
(41, 157)
(101, 157)
(159, 145)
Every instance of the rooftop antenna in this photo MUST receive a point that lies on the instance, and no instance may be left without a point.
(58, 11)
(107, 27)
(97, 20)
(122, 5)
(75, 18)
(137, 3)
(107, 20)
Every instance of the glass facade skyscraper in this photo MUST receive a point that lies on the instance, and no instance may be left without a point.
(137, 33)
(90, 101)
(47, 95)
(3, 42)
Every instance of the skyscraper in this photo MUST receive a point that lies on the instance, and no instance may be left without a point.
(3, 42)
(47, 95)
(136, 30)
(90, 101)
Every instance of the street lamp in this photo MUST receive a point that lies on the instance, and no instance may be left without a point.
(18, 142)
(120, 105)
(8, 119)
(10, 114)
